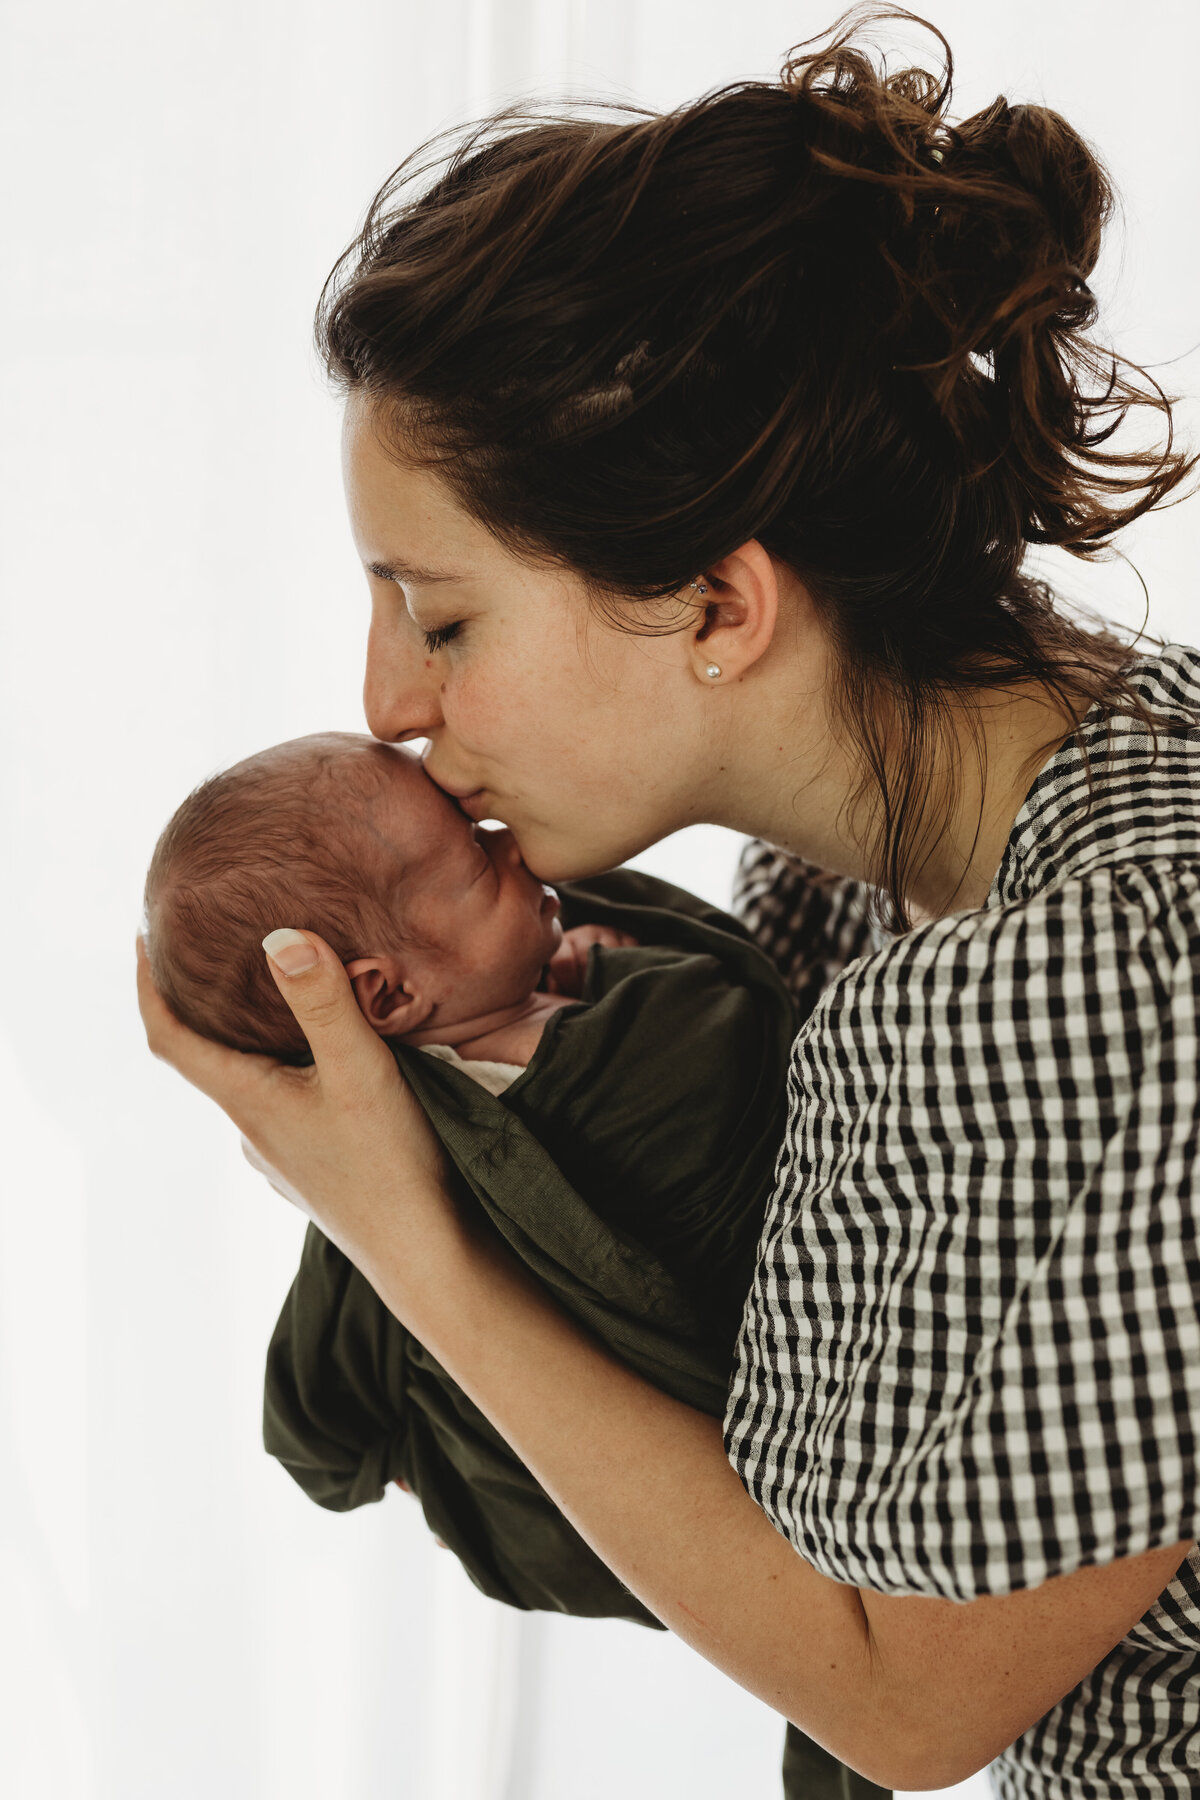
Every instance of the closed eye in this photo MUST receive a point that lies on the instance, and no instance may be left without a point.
(441, 635)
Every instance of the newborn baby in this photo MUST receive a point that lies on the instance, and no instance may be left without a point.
(448, 939)
(610, 1098)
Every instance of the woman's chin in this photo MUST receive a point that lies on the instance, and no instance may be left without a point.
(555, 856)
(554, 863)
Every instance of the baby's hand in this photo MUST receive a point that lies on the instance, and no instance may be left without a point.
(565, 970)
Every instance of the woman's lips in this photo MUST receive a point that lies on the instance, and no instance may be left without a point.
(455, 789)
(470, 802)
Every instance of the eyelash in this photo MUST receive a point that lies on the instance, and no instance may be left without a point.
(441, 635)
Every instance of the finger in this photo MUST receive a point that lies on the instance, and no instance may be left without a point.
(224, 1075)
(317, 990)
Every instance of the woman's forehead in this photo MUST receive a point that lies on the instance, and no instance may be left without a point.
(404, 517)
(410, 527)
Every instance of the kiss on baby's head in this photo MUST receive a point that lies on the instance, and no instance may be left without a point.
(438, 921)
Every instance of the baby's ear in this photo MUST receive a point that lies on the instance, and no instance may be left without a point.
(387, 1005)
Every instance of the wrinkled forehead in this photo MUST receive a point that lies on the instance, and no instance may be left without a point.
(382, 765)
(398, 805)
(371, 803)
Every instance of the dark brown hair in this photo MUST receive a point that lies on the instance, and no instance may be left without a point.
(814, 313)
(275, 840)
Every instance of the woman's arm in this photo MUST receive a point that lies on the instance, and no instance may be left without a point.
(913, 1692)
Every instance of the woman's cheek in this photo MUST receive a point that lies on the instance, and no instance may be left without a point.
(504, 722)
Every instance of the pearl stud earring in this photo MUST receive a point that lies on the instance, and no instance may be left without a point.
(713, 671)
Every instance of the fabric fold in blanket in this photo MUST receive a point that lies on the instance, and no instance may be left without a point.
(629, 1168)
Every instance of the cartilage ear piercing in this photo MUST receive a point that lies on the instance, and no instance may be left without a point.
(713, 671)
(699, 587)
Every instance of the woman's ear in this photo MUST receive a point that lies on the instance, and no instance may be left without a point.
(740, 600)
(387, 1005)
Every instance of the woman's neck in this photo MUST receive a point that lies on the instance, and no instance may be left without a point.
(784, 777)
(1019, 731)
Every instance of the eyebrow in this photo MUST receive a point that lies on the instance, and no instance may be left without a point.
(391, 571)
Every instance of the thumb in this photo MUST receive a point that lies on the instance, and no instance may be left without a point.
(318, 992)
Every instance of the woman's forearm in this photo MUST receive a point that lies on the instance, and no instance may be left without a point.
(642, 1477)
(911, 1691)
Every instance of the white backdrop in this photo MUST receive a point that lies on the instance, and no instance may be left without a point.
(177, 177)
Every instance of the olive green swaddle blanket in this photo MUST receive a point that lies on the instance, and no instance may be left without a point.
(629, 1167)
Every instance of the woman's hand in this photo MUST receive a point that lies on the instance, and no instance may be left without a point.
(914, 1692)
(274, 1179)
(337, 1139)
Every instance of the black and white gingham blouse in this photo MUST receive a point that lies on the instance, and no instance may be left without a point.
(971, 1356)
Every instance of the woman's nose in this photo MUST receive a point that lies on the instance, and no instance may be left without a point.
(401, 694)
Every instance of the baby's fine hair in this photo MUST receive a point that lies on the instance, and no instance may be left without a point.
(275, 840)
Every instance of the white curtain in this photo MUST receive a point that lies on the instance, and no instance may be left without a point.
(177, 178)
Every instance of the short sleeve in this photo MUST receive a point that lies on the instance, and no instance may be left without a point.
(971, 1357)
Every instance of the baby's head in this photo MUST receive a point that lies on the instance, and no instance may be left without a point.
(438, 921)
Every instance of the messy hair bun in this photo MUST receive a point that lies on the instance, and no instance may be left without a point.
(815, 313)
(994, 228)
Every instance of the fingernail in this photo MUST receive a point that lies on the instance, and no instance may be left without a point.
(289, 951)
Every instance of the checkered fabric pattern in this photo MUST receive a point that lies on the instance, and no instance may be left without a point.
(811, 924)
(971, 1356)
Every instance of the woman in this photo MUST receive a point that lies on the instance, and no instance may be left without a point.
(693, 461)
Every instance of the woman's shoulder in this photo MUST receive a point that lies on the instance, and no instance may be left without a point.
(1113, 796)
(1102, 856)
(992, 1130)
(1116, 791)
(1114, 938)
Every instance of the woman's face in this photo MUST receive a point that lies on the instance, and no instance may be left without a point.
(587, 741)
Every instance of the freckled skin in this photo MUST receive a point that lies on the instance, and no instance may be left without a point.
(592, 742)
(584, 739)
